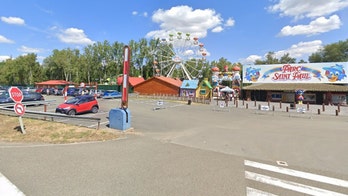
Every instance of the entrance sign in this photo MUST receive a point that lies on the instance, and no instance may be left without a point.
(328, 72)
(16, 94)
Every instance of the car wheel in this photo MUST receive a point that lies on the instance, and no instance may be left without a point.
(95, 109)
(72, 113)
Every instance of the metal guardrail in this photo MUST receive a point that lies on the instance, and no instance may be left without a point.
(27, 103)
(5, 109)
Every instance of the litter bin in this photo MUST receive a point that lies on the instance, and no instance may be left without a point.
(189, 102)
(292, 106)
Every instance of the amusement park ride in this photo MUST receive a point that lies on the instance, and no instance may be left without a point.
(180, 56)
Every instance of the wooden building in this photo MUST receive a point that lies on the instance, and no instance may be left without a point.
(159, 85)
(188, 88)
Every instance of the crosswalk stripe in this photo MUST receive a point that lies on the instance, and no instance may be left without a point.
(305, 175)
(289, 185)
(256, 192)
(7, 188)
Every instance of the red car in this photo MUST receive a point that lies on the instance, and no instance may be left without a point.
(78, 105)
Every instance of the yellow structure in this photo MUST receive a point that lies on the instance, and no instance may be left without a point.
(204, 89)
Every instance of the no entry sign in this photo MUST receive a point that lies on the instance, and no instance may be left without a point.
(16, 94)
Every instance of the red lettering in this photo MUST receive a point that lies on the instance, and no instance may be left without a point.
(289, 68)
(279, 76)
(301, 76)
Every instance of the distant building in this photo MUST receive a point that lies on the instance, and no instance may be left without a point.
(159, 85)
(204, 90)
(188, 88)
(321, 82)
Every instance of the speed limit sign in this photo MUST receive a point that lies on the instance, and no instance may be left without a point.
(19, 109)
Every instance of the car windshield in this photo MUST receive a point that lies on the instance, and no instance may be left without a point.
(4, 94)
(111, 92)
(73, 100)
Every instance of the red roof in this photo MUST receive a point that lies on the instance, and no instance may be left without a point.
(236, 68)
(173, 81)
(132, 80)
(54, 82)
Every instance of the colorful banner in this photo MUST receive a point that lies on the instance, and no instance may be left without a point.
(332, 72)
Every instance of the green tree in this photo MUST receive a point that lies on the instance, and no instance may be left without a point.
(23, 70)
(63, 64)
(221, 63)
(336, 52)
(287, 59)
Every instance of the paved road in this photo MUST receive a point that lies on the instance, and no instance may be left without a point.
(192, 150)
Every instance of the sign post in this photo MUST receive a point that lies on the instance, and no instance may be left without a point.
(17, 96)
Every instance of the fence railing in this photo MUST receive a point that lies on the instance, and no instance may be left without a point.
(173, 97)
(47, 115)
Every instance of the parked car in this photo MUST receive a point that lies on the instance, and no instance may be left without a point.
(97, 93)
(27, 96)
(72, 91)
(47, 91)
(32, 96)
(110, 94)
(29, 89)
(5, 97)
(78, 105)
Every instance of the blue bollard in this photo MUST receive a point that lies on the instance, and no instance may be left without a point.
(119, 119)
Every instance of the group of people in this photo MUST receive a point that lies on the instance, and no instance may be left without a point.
(229, 97)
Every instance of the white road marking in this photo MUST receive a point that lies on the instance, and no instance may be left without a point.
(289, 185)
(305, 175)
(7, 188)
(256, 192)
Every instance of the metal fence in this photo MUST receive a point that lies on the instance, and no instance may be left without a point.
(7, 109)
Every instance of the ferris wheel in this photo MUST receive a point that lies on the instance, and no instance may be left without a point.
(180, 56)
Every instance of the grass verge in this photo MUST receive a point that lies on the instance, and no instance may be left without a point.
(41, 131)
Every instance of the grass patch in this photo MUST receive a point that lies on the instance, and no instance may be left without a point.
(43, 131)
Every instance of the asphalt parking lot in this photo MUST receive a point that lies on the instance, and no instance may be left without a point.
(151, 104)
(105, 105)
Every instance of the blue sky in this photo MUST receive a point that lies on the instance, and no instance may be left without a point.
(240, 31)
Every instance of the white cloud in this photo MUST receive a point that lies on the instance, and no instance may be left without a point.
(301, 49)
(185, 19)
(135, 13)
(217, 29)
(3, 58)
(13, 20)
(230, 22)
(251, 59)
(74, 36)
(26, 49)
(5, 40)
(319, 25)
(308, 8)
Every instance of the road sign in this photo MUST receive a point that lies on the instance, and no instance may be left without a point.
(19, 109)
(16, 94)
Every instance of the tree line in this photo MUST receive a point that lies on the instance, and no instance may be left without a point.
(102, 61)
